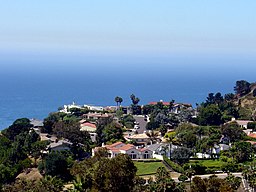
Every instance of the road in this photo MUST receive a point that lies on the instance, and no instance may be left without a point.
(142, 123)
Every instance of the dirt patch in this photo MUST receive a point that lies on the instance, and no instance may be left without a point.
(30, 174)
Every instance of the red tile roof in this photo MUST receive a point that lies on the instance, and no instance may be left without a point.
(164, 103)
(87, 124)
(253, 135)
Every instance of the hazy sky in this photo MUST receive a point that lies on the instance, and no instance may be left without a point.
(133, 27)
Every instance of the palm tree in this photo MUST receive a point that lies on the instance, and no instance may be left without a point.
(118, 100)
(153, 136)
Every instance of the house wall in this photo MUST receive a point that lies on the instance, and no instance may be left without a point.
(93, 136)
(160, 157)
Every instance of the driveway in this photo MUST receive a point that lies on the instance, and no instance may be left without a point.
(142, 123)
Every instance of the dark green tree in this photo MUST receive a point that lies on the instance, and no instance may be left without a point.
(135, 100)
(242, 87)
(232, 131)
(243, 151)
(51, 120)
(181, 155)
(18, 126)
(113, 132)
(118, 100)
(55, 164)
(210, 115)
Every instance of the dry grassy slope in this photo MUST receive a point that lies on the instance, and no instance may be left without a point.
(248, 103)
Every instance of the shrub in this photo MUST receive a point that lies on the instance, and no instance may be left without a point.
(176, 167)
(251, 125)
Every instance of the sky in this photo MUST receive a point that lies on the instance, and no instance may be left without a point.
(127, 29)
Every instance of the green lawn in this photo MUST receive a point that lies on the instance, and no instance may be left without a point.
(212, 163)
(147, 168)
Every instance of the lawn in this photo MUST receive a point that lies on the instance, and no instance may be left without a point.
(212, 163)
(147, 168)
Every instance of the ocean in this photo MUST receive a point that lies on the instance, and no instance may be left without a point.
(34, 88)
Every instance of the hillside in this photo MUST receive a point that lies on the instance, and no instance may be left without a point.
(247, 105)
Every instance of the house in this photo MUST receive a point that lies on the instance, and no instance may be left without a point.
(61, 145)
(220, 147)
(129, 149)
(176, 107)
(37, 125)
(242, 123)
(66, 108)
(87, 126)
(142, 138)
(94, 108)
(161, 149)
(47, 137)
(215, 151)
(96, 116)
(91, 128)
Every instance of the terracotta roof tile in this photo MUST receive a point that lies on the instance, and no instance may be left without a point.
(253, 135)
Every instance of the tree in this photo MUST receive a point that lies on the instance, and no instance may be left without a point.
(243, 151)
(242, 87)
(249, 174)
(210, 99)
(232, 131)
(47, 183)
(128, 121)
(233, 181)
(135, 100)
(153, 136)
(164, 183)
(55, 164)
(181, 155)
(18, 126)
(136, 109)
(198, 185)
(51, 120)
(71, 131)
(210, 115)
(229, 97)
(103, 174)
(113, 132)
(188, 139)
(216, 184)
(147, 109)
(252, 125)
(101, 123)
(37, 148)
(163, 180)
(118, 100)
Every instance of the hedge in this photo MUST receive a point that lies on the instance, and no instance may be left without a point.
(176, 167)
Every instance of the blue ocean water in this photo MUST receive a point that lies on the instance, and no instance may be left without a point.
(35, 88)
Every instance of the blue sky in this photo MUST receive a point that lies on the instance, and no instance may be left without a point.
(128, 28)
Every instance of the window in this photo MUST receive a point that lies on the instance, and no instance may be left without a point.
(134, 156)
